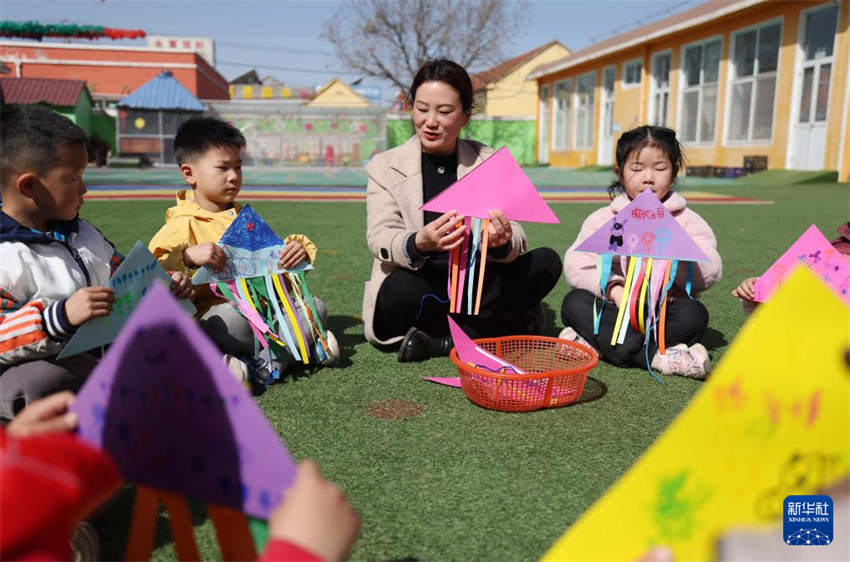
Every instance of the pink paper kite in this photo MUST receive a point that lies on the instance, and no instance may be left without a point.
(447, 381)
(814, 250)
(470, 353)
(496, 183)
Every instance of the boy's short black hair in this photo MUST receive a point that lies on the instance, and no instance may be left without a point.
(30, 137)
(200, 134)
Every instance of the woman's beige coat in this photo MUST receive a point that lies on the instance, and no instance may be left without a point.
(393, 210)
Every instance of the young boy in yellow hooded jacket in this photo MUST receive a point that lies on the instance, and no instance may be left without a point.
(208, 152)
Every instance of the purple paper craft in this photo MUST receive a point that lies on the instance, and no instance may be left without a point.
(447, 381)
(814, 250)
(471, 354)
(496, 183)
(644, 228)
(165, 407)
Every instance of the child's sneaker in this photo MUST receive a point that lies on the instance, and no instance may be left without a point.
(85, 546)
(692, 362)
(333, 350)
(238, 368)
(570, 334)
(259, 372)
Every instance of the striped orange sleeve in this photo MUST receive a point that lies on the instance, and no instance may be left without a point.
(20, 326)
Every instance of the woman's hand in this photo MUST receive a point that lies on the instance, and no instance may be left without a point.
(441, 234)
(499, 232)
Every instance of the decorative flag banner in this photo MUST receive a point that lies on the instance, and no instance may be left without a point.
(472, 354)
(275, 301)
(497, 183)
(814, 250)
(165, 407)
(771, 421)
(655, 243)
(37, 31)
(130, 282)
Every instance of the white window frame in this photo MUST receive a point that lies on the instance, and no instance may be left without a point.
(799, 62)
(556, 113)
(653, 89)
(684, 88)
(732, 80)
(591, 121)
(629, 85)
(550, 124)
(605, 97)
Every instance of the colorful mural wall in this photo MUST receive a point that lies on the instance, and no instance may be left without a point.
(294, 137)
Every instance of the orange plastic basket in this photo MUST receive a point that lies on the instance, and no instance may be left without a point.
(555, 373)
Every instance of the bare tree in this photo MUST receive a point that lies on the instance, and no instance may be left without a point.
(391, 39)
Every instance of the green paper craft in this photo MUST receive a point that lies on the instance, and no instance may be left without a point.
(130, 283)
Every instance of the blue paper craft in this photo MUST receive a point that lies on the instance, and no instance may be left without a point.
(130, 282)
(163, 404)
(252, 249)
(275, 301)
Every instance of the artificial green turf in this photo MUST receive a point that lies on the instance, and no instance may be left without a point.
(459, 482)
(541, 176)
(788, 177)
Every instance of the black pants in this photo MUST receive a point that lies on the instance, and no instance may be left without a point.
(511, 293)
(686, 321)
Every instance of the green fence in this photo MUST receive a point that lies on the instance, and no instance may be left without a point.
(516, 134)
(103, 128)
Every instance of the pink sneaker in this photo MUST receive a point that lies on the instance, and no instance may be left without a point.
(692, 362)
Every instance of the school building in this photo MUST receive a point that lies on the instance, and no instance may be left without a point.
(746, 84)
(112, 72)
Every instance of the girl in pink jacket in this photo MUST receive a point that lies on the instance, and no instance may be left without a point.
(647, 158)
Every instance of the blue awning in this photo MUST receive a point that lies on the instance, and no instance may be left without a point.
(163, 91)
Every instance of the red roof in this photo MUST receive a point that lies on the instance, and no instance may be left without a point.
(481, 79)
(41, 90)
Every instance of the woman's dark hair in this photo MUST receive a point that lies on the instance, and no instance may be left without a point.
(450, 72)
(640, 137)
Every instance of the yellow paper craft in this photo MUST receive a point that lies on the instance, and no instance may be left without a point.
(773, 420)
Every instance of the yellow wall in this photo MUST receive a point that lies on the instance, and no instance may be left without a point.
(840, 112)
(844, 164)
(631, 105)
(338, 94)
(513, 95)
